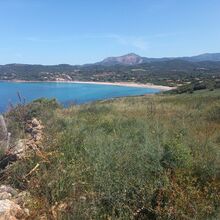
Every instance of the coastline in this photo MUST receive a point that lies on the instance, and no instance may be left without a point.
(126, 84)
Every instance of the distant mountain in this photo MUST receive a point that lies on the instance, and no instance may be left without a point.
(134, 59)
(203, 57)
(128, 59)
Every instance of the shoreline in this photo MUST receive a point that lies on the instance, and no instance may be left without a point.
(125, 84)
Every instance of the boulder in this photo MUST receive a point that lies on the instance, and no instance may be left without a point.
(12, 203)
(10, 210)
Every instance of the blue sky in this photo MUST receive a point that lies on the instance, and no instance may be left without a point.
(85, 31)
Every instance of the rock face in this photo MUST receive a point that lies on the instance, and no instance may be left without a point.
(4, 135)
(128, 59)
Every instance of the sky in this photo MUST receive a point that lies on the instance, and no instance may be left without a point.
(87, 31)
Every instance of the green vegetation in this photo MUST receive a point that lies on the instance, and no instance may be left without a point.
(18, 116)
(194, 85)
(150, 157)
(168, 73)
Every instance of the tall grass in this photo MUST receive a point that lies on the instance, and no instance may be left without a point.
(153, 157)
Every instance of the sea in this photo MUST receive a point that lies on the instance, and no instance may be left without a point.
(11, 93)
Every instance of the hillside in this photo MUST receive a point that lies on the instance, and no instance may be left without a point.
(151, 157)
(167, 72)
(128, 59)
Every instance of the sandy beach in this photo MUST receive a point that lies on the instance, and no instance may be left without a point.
(128, 84)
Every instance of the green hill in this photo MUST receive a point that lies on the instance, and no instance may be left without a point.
(162, 72)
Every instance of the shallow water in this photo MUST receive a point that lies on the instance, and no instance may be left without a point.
(65, 93)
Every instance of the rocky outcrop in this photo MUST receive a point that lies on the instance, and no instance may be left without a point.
(35, 130)
(12, 203)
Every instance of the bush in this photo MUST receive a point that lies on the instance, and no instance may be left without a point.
(18, 116)
(176, 156)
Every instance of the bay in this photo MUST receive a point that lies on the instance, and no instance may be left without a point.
(65, 93)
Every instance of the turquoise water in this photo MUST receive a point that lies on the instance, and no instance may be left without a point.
(65, 93)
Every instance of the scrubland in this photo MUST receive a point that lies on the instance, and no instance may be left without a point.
(149, 157)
